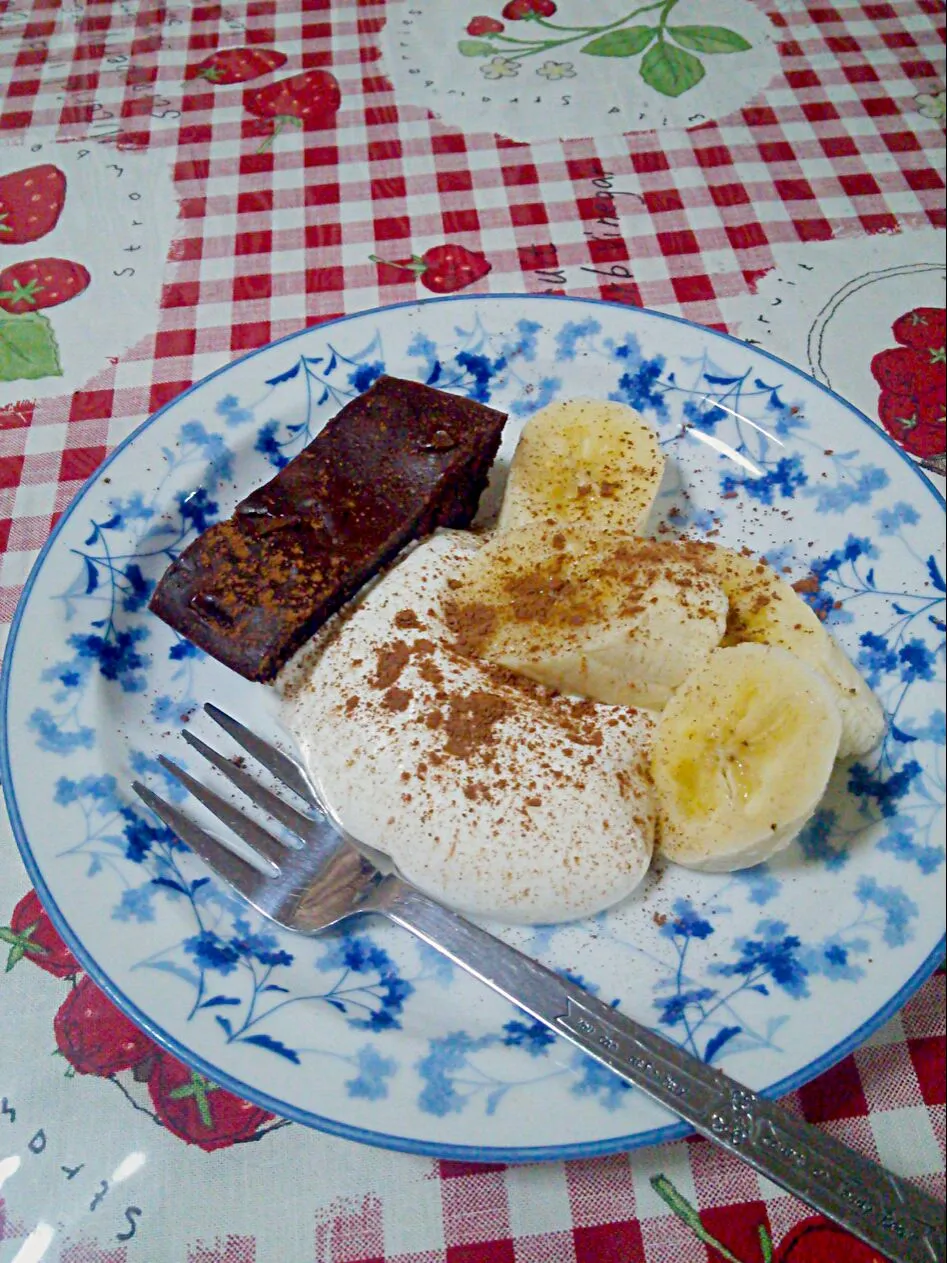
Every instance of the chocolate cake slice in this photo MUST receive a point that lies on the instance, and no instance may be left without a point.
(394, 464)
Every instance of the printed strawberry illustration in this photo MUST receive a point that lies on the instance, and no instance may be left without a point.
(310, 99)
(31, 202)
(923, 329)
(442, 269)
(94, 1037)
(484, 26)
(897, 368)
(32, 936)
(528, 10)
(816, 1241)
(199, 1111)
(237, 65)
(917, 422)
(40, 283)
(913, 381)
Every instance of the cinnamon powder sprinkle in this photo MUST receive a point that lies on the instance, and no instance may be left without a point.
(571, 591)
(396, 699)
(392, 660)
(471, 624)
(470, 722)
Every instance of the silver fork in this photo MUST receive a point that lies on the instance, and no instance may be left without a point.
(330, 878)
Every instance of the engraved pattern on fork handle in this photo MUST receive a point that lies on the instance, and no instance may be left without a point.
(886, 1212)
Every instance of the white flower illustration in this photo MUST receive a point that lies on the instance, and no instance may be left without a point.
(553, 70)
(932, 105)
(500, 68)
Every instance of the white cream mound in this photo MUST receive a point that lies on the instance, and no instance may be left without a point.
(491, 793)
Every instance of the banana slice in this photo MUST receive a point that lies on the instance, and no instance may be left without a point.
(741, 757)
(583, 461)
(766, 610)
(611, 617)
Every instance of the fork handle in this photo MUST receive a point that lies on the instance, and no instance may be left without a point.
(884, 1211)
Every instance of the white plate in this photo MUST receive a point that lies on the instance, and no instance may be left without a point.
(774, 973)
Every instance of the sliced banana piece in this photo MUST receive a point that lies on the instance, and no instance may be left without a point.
(611, 617)
(764, 609)
(583, 461)
(741, 757)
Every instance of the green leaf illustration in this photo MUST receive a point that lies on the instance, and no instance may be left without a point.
(475, 48)
(627, 43)
(27, 348)
(708, 39)
(688, 1215)
(669, 70)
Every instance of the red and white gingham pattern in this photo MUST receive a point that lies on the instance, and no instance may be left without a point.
(887, 1100)
(605, 1211)
(268, 242)
(271, 241)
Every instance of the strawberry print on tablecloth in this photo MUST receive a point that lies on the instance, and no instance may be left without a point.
(84, 236)
(237, 65)
(31, 201)
(913, 381)
(545, 69)
(95, 1038)
(865, 317)
(32, 936)
(441, 269)
(306, 100)
(40, 283)
(814, 1240)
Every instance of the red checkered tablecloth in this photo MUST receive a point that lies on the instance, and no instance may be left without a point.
(235, 237)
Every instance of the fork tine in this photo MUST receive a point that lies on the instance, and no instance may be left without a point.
(256, 837)
(257, 793)
(281, 765)
(236, 872)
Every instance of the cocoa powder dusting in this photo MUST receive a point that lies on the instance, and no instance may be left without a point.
(407, 620)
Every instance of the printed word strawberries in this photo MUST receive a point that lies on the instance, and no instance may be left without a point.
(442, 269)
(310, 99)
(237, 65)
(31, 936)
(39, 283)
(199, 1111)
(94, 1037)
(31, 202)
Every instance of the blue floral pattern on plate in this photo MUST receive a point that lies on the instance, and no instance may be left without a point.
(367, 1033)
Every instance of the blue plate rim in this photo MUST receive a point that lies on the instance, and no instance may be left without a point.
(384, 1140)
